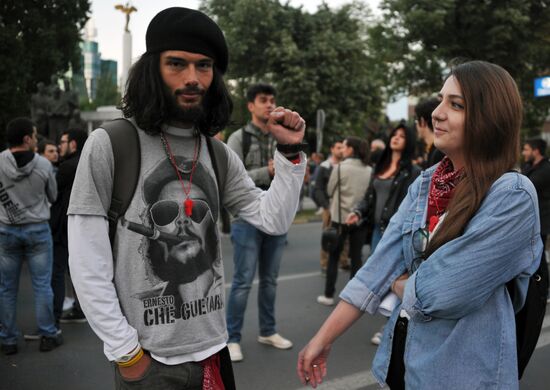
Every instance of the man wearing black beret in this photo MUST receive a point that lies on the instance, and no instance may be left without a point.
(155, 297)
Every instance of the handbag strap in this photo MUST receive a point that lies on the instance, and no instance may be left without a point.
(339, 204)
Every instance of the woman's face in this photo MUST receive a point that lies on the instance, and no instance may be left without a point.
(398, 141)
(448, 120)
(348, 150)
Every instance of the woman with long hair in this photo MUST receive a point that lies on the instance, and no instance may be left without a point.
(393, 173)
(466, 227)
(347, 183)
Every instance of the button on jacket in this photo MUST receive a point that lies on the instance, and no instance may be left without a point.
(461, 334)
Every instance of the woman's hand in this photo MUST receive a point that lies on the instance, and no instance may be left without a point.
(312, 363)
(352, 219)
(398, 286)
(312, 360)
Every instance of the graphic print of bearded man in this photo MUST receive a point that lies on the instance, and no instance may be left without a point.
(183, 249)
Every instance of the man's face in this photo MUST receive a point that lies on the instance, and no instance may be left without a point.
(32, 140)
(421, 127)
(337, 150)
(50, 152)
(528, 153)
(187, 77)
(64, 145)
(261, 107)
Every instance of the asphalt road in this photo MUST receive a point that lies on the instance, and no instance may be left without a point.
(80, 364)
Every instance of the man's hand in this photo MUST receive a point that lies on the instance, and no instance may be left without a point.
(352, 219)
(137, 370)
(286, 126)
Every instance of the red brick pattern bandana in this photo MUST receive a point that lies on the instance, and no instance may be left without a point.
(444, 182)
(212, 379)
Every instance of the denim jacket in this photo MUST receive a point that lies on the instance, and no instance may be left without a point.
(461, 332)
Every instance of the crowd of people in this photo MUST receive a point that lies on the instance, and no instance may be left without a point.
(447, 225)
(36, 179)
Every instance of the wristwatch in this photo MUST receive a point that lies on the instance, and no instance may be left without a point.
(292, 148)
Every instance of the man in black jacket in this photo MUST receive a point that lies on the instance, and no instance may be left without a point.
(71, 144)
(537, 169)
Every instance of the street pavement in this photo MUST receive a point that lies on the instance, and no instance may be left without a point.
(80, 364)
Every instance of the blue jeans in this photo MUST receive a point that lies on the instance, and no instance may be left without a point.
(376, 237)
(32, 242)
(252, 247)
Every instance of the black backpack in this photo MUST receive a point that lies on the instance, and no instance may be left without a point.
(529, 319)
(127, 158)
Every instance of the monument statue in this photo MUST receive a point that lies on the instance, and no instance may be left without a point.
(39, 108)
(126, 9)
(59, 112)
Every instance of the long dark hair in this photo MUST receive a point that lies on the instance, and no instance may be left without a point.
(360, 148)
(384, 161)
(147, 102)
(493, 112)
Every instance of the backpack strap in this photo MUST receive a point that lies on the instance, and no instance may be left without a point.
(247, 140)
(127, 157)
(219, 157)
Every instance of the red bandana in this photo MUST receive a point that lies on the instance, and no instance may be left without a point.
(444, 181)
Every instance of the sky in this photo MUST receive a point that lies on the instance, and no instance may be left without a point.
(109, 27)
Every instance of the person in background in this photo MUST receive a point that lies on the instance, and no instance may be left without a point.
(348, 183)
(424, 127)
(253, 248)
(392, 176)
(322, 198)
(72, 142)
(27, 188)
(48, 150)
(537, 169)
(377, 147)
(467, 226)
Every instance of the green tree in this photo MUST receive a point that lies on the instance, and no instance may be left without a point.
(318, 60)
(419, 39)
(37, 39)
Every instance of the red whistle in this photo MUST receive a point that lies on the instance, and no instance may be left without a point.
(188, 206)
(434, 220)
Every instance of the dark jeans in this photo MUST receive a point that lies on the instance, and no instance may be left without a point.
(356, 241)
(185, 376)
(60, 267)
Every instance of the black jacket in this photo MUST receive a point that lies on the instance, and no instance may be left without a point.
(400, 185)
(540, 177)
(65, 178)
(320, 195)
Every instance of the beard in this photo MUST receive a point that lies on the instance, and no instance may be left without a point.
(191, 114)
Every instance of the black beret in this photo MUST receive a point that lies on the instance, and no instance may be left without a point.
(179, 28)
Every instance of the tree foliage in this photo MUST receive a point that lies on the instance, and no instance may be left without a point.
(315, 61)
(420, 39)
(38, 38)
